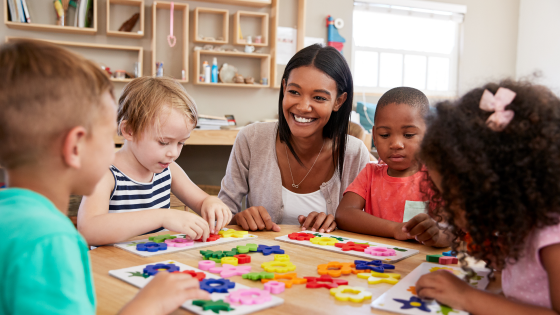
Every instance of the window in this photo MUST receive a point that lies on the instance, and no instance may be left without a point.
(399, 45)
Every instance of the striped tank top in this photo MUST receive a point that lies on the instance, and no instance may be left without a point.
(130, 195)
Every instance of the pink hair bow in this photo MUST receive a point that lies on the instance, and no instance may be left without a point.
(497, 104)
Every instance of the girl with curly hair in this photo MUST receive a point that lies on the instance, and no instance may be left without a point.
(494, 158)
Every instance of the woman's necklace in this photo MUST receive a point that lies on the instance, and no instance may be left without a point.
(288, 158)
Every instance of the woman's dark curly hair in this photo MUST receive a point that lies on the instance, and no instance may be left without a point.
(506, 183)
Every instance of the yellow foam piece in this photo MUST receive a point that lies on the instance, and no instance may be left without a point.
(324, 241)
(453, 271)
(281, 257)
(278, 266)
(233, 233)
(230, 260)
(352, 294)
(376, 277)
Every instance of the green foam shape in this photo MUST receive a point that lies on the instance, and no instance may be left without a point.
(255, 276)
(139, 274)
(161, 238)
(400, 249)
(231, 253)
(242, 249)
(214, 306)
(208, 254)
(433, 258)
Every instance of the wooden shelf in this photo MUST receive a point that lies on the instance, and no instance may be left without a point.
(52, 28)
(265, 67)
(225, 25)
(202, 137)
(247, 3)
(138, 50)
(177, 7)
(135, 3)
(237, 25)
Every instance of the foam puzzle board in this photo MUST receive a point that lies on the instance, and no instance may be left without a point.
(401, 298)
(131, 246)
(125, 275)
(400, 252)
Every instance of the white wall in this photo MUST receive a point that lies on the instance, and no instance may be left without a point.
(538, 47)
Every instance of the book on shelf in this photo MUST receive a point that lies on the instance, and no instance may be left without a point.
(25, 11)
(13, 10)
(207, 127)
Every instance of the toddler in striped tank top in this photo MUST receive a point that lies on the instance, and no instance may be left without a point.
(155, 116)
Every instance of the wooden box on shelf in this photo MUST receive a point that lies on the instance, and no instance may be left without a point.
(225, 25)
(237, 28)
(52, 28)
(135, 3)
(138, 50)
(265, 67)
(185, 40)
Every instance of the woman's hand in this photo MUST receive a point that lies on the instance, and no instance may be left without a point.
(444, 287)
(216, 213)
(256, 218)
(320, 222)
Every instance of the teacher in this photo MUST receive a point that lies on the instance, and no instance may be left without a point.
(295, 171)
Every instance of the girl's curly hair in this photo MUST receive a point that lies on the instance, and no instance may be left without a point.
(506, 183)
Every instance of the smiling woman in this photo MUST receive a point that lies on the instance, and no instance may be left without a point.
(295, 171)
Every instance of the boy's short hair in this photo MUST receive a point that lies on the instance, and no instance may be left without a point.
(143, 99)
(45, 90)
(404, 95)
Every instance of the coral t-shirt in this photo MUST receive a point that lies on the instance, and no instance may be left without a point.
(391, 198)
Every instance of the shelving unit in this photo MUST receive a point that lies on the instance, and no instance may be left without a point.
(135, 3)
(52, 28)
(265, 67)
(225, 25)
(185, 40)
(202, 137)
(139, 50)
(247, 3)
(237, 25)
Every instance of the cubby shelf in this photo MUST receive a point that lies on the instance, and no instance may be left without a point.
(225, 28)
(139, 50)
(52, 28)
(237, 24)
(136, 3)
(185, 40)
(247, 3)
(265, 67)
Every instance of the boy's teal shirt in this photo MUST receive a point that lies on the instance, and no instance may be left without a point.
(44, 262)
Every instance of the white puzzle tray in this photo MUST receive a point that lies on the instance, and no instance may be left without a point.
(133, 275)
(400, 253)
(131, 246)
(402, 299)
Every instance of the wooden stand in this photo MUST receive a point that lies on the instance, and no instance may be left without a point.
(237, 25)
(225, 25)
(136, 3)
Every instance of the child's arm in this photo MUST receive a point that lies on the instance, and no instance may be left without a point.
(164, 294)
(212, 209)
(351, 217)
(456, 293)
(100, 227)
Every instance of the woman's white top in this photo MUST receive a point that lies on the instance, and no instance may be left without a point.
(301, 204)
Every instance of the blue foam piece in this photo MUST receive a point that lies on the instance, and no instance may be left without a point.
(267, 250)
(153, 269)
(449, 253)
(223, 285)
(151, 247)
(375, 265)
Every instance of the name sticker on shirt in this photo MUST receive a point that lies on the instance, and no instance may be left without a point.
(412, 208)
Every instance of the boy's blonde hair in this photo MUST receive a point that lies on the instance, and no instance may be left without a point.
(45, 91)
(144, 98)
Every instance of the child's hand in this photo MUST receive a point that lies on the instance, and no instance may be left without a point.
(424, 229)
(164, 294)
(320, 222)
(185, 222)
(444, 287)
(216, 213)
(256, 218)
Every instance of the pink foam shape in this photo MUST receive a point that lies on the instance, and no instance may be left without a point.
(206, 264)
(179, 242)
(380, 251)
(275, 287)
(228, 270)
(250, 296)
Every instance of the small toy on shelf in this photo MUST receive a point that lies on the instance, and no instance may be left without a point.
(129, 24)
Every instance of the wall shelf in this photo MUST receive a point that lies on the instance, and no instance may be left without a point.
(185, 31)
(247, 3)
(134, 3)
(138, 50)
(202, 137)
(52, 28)
(237, 25)
(225, 25)
(265, 67)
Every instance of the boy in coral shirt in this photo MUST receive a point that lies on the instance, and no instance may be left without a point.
(389, 199)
